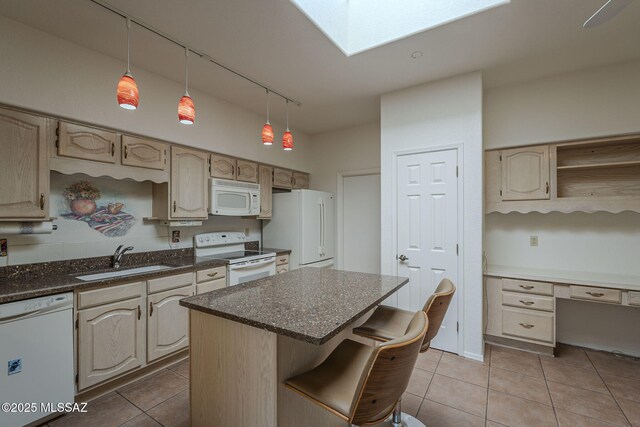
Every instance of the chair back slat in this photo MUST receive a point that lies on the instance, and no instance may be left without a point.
(390, 370)
(436, 308)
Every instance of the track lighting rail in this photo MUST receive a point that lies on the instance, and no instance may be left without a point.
(183, 45)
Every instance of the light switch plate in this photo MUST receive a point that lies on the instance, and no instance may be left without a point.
(533, 240)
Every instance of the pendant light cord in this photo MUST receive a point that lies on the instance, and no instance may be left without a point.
(267, 105)
(186, 71)
(287, 108)
(128, 43)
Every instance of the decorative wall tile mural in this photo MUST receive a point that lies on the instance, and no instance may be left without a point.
(106, 217)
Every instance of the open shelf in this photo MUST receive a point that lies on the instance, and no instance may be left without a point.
(602, 153)
(600, 165)
(600, 181)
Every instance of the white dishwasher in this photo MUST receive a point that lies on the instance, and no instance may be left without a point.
(36, 357)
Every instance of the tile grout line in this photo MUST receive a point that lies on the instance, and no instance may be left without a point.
(615, 399)
(546, 383)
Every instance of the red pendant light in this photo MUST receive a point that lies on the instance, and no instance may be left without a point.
(287, 137)
(267, 130)
(127, 92)
(186, 108)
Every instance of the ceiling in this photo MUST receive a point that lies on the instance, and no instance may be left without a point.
(273, 42)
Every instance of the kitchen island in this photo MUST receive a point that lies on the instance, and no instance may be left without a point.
(247, 340)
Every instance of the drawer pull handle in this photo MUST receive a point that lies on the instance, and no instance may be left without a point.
(113, 149)
(150, 309)
(42, 200)
(527, 287)
(526, 325)
(126, 151)
(283, 259)
(595, 294)
(527, 302)
(139, 312)
(212, 274)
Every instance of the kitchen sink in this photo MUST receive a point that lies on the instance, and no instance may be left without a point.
(125, 272)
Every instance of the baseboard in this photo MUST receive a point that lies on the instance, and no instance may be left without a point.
(473, 356)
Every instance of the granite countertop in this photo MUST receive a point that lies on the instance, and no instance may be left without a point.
(42, 279)
(277, 251)
(604, 280)
(308, 304)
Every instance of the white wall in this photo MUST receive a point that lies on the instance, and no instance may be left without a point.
(52, 76)
(442, 113)
(583, 104)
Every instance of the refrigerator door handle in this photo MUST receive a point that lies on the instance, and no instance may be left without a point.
(324, 228)
(321, 224)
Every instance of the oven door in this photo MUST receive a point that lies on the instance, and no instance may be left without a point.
(230, 202)
(251, 270)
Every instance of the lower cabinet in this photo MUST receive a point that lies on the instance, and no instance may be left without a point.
(282, 264)
(111, 335)
(168, 322)
(211, 279)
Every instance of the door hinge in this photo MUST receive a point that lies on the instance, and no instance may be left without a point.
(76, 378)
(501, 192)
(456, 171)
(457, 249)
(457, 327)
(500, 157)
(77, 323)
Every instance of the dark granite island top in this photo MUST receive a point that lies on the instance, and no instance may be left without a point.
(308, 304)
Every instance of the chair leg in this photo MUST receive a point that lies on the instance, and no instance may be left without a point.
(396, 417)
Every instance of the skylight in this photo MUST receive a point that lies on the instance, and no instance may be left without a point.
(359, 25)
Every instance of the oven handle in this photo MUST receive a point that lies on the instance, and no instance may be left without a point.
(252, 265)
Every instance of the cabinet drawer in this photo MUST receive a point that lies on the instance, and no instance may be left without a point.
(541, 288)
(282, 259)
(109, 294)
(210, 274)
(528, 324)
(212, 285)
(171, 282)
(282, 268)
(596, 294)
(522, 300)
(634, 298)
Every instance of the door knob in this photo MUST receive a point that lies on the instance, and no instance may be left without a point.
(403, 258)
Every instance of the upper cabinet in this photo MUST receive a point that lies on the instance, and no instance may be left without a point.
(246, 171)
(24, 193)
(266, 191)
(300, 180)
(189, 198)
(593, 175)
(81, 142)
(223, 167)
(282, 178)
(143, 153)
(525, 173)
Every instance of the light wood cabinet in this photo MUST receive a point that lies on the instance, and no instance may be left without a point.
(282, 264)
(24, 162)
(168, 322)
(189, 198)
(246, 171)
(111, 341)
(143, 153)
(525, 173)
(223, 167)
(82, 142)
(211, 279)
(300, 180)
(266, 191)
(282, 268)
(212, 285)
(282, 178)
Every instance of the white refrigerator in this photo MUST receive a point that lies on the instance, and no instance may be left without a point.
(303, 221)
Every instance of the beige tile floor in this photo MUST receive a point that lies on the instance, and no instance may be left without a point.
(511, 388)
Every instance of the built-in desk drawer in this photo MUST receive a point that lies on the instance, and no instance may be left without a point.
(596, 294)
(529, 324)
(634, 298)
(541, 288)
(534, 302)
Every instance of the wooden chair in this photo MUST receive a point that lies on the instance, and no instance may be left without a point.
(387, 323)
(363, 384)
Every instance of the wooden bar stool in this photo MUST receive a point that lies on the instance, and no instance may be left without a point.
(387, 323)
(363, 384)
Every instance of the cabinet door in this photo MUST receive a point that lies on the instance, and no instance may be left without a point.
(223, 167)
(282, 178)
(246, 171)
(86, 143)
(189, 197)
(168, 324)
(525, 173)
(111, 341)
(143, 153)
(24, 163)
(300, 180)
(266, 196)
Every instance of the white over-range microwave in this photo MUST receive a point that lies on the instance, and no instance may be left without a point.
(233, 198)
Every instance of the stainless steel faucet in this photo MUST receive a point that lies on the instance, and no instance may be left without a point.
(117, 256)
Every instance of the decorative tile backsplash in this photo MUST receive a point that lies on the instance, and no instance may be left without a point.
(120, 206)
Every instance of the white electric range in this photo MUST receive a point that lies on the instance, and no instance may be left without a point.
(243, 265)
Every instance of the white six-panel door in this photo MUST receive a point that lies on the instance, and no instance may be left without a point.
(427, 213)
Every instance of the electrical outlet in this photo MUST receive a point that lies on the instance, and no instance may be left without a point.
(533, 240)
